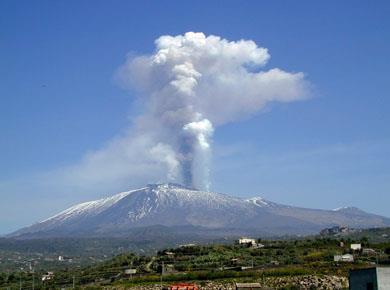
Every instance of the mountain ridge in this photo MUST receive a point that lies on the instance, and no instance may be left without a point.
(174, 205)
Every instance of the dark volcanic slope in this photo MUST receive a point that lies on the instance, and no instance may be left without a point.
(175, 206)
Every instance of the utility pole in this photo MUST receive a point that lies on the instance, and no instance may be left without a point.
(73, 282)
(33, 277)
(20, 279)
(377, 255)
(131, 275)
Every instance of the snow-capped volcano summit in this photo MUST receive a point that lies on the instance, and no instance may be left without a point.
(173, 205)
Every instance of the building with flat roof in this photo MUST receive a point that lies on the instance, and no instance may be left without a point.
(247, 241)
(377, 278)
(356, 247)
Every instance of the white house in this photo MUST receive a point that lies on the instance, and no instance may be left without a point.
(247, 241)
(130, 271)
(356, 247)
(47, 276)
(63, 259)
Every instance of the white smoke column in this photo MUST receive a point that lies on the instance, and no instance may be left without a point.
(199, 134)
(191, 85)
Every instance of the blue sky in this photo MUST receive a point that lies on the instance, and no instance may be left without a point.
(59, 100)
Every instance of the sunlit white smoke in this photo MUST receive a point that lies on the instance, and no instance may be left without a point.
(201, 130)
(193, 84)
(199, 133)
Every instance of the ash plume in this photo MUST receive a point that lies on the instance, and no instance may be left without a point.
(194, 83)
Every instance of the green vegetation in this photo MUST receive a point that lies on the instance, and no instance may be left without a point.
(277, 258)
(374, 235)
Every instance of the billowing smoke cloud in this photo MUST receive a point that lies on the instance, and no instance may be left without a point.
(191, 85)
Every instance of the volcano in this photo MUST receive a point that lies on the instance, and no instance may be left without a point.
(178, 208)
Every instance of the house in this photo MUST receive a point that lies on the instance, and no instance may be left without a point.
(356, 247)
(258, 246)
(368, 252)
(247, 241)
(48, 276)
(63, 259)
(377, 278)
(130, 271)
(248, 286)
(343, 258)
(169, 268)
(234, 261)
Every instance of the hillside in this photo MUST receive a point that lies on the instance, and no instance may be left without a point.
(274, 262)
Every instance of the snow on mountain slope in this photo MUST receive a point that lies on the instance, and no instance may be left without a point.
(90, 207)
(173, 205)
(263, 203)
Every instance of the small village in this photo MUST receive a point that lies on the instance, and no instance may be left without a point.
(327, 261)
